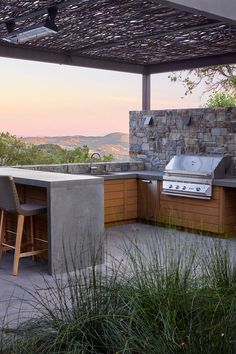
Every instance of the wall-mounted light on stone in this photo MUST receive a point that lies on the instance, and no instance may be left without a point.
(187, 121)
(148, 121)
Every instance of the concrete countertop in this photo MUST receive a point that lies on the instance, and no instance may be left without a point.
(46, 179)
(135, 174)
(224, 182)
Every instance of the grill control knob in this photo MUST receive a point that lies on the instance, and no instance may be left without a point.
(198, 189)
(177, 187)
(170, 186)
(184, 187)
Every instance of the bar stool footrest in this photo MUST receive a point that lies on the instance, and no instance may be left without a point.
(31, 253)
(8, 246)
(40, 240)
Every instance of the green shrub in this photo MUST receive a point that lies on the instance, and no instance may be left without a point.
(221, 99)
(13, 151)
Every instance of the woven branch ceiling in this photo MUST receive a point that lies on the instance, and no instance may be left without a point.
(129, 31)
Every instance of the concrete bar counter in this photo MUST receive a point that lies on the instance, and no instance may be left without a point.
(74, 225)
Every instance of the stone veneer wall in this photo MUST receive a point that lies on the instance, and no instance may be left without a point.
(211, 131)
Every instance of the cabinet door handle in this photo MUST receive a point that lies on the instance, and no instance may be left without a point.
(146, 181)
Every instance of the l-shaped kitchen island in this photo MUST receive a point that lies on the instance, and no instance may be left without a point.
(79, 205)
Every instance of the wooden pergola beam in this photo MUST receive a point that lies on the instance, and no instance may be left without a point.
(15, 52)
(194, 63)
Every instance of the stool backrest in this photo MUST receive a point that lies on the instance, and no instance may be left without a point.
(9, 199)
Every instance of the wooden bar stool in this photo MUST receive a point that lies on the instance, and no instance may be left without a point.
(10, 203)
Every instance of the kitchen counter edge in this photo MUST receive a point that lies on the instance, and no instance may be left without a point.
(229, 182)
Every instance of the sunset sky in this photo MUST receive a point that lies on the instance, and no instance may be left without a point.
(40, 99)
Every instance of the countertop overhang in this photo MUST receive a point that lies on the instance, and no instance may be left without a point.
(47, 179)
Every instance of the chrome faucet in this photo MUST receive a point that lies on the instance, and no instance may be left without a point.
(93, 168)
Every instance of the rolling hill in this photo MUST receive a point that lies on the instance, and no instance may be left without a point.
(116, 144)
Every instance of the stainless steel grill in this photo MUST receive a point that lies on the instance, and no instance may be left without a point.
(191, 176)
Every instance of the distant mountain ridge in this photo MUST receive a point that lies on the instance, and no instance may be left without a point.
(116, 143)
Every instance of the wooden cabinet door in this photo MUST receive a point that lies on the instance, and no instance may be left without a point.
(147, 200)
(120, 200)
(114, 200)
(131, 199)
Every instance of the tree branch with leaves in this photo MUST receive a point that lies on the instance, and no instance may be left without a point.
(216, 78)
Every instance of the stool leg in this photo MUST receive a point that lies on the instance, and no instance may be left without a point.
(2, 232)
(19, 233)
(32, 236)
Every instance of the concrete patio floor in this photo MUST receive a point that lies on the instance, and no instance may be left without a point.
(16, 301)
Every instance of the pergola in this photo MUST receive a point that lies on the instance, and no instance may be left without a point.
(136, 36)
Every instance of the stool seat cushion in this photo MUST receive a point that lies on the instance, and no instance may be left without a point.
(30, 209)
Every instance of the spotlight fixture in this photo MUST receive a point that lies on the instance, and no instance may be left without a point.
(34, 32)
(148, 121)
